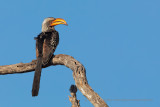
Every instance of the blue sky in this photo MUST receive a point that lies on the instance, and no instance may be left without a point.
(116, 40)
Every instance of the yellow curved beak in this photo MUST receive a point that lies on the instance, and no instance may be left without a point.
(58, 21)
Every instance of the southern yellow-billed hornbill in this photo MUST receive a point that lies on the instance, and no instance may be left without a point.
(46, 43)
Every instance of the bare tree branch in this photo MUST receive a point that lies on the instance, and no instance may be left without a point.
(79, 75)
(73, 98)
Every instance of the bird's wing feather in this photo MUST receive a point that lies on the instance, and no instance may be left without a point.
(46, 44)
(50, 43)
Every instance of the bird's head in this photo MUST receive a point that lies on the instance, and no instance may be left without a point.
(49, 23)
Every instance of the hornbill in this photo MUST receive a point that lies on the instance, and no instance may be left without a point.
(46, 43)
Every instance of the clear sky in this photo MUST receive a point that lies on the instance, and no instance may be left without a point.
(118, 42)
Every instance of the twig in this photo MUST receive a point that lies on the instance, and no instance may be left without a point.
(73, 98)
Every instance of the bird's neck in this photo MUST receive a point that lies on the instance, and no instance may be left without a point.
(46, 28)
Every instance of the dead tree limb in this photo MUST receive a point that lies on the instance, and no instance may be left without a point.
(73, 98)
(79, 75)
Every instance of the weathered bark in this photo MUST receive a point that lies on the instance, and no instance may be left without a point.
(79, 75)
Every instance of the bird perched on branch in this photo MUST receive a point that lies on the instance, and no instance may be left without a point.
(46, 43)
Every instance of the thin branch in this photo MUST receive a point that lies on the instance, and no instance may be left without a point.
(79, 75)
(73, 98)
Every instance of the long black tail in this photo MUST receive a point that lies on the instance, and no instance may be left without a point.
(37, 74)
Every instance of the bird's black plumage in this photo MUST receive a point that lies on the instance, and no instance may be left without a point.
(46, 43)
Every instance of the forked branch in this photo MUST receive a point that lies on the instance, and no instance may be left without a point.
(79, 75)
